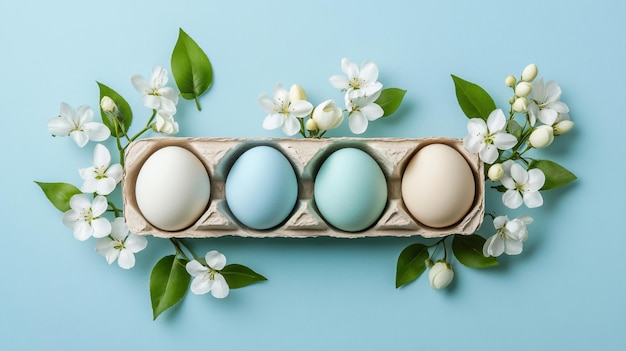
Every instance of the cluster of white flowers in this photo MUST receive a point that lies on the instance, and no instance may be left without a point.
(287, 110)
(160, 98)
(494, 141)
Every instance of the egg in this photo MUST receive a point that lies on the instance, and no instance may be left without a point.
(438, 186)
(172, 188)
(261, 188)
(350, 190)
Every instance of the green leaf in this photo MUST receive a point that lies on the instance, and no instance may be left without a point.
(238, 276)
(169, 282)
(411, 264)
(390, 99)
(59, 194)
(474, 100)
(468, 249)
(556, 175)
(514, 129)
(191, 68)
(124, 116)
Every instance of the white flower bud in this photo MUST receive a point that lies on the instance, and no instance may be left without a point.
(495, 173)
(510, 81)
(520, 105)
(541, 137)
(310, 124)
(530, 73)
(327, 115)
(523, 89)
(563, 127)
(107, 104)
(296, 92)
(440, 275)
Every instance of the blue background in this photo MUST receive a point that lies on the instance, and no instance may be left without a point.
(566, 291)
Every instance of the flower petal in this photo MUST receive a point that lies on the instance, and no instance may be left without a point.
(105, 186)
(82, 231)
(500, 221)
(59, 126)
(513, 247)
(496, 121)
(536, 179)
(103, 245)
(66, 111)
(119, 230)
(84, 114)
(519, 174)
(489, 154)
(151, 102)
(368, 72)
(101, 227)
(135, 243)
(339, 82)
(349, 68)
(101, 156)
(477, 127)
(291, 126)
(266, 103)
(220, 288)
(495, 247)
(90, 185)
(126, 259)
(504, 141)
(201, 285)
(273, 120)
(79, 137)
(533, 199)
(140, 84)
(300, 108)
(115, 172)
(80, 202)
(372, 111)
(512, 199)
(196, 269)
(99, 205)
(357, 122)
(71, 218)
(97, 131)
(215, 259)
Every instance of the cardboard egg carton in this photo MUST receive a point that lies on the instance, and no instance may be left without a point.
(306, 156)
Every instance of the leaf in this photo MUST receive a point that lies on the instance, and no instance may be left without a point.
(556, 175)
(468, 249)
(411, 264)
(59, 194)
(474, 100)
(169, 282)
(514, 129)
(238, 276)
(390, 99)
(125, 115)
(191, 68)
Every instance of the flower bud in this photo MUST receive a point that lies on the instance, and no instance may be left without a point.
(108, 105)
(529, 73)
(520, 105)
(310, 124)
(327, 115)
(563, 127)
(495, 173)
(541, 137)
(523, 89)
(440, 275)
(296, 92)
(510, 81)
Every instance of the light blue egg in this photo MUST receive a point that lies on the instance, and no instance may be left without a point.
(261, 188)
(350, 190)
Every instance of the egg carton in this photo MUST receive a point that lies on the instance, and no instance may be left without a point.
(306, 156)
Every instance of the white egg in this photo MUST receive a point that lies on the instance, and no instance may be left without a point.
(172, 188)
(438, 186)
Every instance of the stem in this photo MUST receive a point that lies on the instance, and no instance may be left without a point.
(115, 210)
(197, 103)
(154, 112)
(179, 250)
(182, 244)
(302, 132)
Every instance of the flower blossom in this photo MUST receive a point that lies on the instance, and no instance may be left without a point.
(165, 124)
(509, 237)
(79, 125)
(361, 79)
(120, 245)
(544, 103)
(155, 95)
(522, 186)
(209, 278)
(282, 112)
(101, 178)
(486, 138)
(327, 115)
(84, 217)
(440, 275)
(362, 109)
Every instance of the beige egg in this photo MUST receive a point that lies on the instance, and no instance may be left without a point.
(172, 188)
(438, 186)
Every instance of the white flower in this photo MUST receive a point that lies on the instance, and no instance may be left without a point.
(120, 245)
(523, 186)
(541, 137)
(84, 217)
(79, 125)
(327, 115)
(544, 102)
(509, 236)
(100, 178)
(208, 278)
(359, 79)
(510, 81)
(108, 105)
(362, 109)
(486, 138)
(563, 127)
(529, 73)
(440, 275)
(156, 95)
(296, 92)
(523, 89)
(165, 123)
(495, 172)
(282, 112)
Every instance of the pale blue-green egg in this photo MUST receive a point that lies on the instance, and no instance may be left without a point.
(350, 190)
(261, 188)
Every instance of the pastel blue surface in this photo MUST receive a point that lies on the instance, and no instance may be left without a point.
(565, 292)
(350, 190)
(261, 188)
